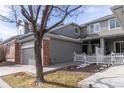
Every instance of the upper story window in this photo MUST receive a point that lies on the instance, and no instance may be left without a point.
(76, 30)
(93, 28)
(96, 27)
(113, 23)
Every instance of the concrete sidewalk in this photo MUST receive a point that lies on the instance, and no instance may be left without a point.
(3, 84)
(27, 68)
(113, 77)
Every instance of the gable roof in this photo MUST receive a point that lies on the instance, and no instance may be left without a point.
(11, 38)
(61, 26)
(99, 20)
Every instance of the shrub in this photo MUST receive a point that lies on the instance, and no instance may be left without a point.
(2, 53)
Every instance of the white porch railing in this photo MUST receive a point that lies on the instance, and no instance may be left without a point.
(113, 58)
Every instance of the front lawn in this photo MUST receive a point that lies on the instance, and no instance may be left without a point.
(61, 78)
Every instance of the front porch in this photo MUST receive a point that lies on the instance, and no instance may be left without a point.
(107, 44)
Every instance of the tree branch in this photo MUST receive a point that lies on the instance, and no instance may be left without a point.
(25, 13)
(38, 11)
(30, 10)
(65, 15)
(46, 13)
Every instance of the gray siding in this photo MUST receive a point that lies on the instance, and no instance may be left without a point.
(62, 51)
(84, 31)
(118, 12)
(28, 43)
(104, 26)
(67, 31)
(105, 31)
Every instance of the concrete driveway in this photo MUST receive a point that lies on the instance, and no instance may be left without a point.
(16, 68)
(112, 77)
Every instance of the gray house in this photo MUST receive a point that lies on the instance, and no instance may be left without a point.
(60, 43)
(106, 32)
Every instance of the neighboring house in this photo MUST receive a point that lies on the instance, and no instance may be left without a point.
(2, 52)
(55, 46)
(12, 49)
(60, 43)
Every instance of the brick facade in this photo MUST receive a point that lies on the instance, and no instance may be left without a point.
(13, 51)
(46, 54)
(17, 53)
(10, 51)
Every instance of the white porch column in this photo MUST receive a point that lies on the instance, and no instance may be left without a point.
(102, 45)
(89, 47)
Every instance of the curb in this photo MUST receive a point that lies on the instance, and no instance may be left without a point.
(4, 84)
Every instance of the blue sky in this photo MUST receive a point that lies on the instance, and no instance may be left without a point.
(91, 12)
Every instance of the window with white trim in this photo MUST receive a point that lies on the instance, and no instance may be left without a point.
(113, 23)
(119, 46)
(77, 30)
(96, 27)
(93, 28)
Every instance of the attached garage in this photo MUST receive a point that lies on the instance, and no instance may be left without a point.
(28, 56)
(62, 51)
(27, 53)
(56, 49)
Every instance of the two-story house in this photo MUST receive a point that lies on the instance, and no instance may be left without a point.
(58, 45)
(61, 42)
(104, 32)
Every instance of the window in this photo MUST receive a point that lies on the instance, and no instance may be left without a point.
(77, 30)
(119, 46)
(117, 23)
(114, 23)
(91, 28)
(94, 28)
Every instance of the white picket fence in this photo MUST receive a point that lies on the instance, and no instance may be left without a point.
(113, 58)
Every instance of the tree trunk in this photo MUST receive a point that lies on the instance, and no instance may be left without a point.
(38, 59)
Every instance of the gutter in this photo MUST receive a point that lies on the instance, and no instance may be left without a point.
(61, 37)
(54, 36)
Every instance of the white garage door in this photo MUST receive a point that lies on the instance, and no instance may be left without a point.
(28, 56)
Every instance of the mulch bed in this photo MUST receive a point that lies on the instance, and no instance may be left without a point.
(7, 63)
(93, 68)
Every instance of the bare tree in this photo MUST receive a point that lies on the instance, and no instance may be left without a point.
(1, 40)
(43, 17)
(2, 52)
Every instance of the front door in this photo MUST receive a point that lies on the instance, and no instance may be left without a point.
(84, 48)
(119, 46)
